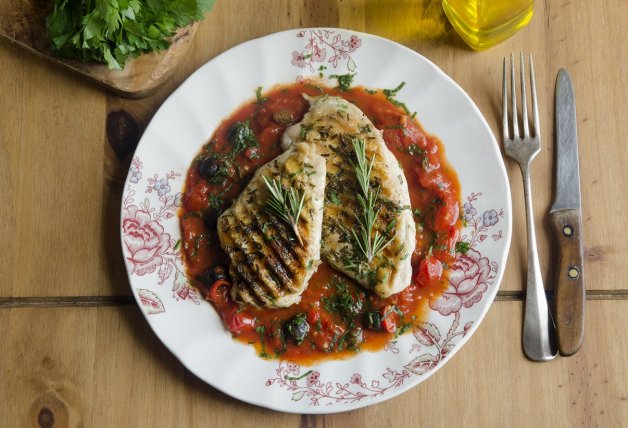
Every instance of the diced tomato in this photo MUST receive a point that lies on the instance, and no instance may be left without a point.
(219, 292)
(274, 336)
(270, 135)
(197, 197)
(433, 179)
(386, 114)
(393, 137)
(296, 104)
(447, 214)
(195, 242)
(404, 135)
(430, 270)
(314, 313)
(389, 325)
(251, 153)
(412, 135)
(445, 245)
(406, 298)
(389, 319)
(240, 322)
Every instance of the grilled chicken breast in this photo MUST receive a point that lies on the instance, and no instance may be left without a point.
(269, 267)
(330, 125)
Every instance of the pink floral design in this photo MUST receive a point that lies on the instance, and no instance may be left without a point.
(334, 392)
(354, 43)
(469, 278)
(151, 302)
(148, 249)
(312, 378)
(325, 45)
(319, 55)
(298, 59)
(144, 240)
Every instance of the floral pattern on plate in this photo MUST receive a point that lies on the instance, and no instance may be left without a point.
(150, 230)
(469, 278)
(148, 248)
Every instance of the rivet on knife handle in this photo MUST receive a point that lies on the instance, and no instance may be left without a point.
(569, 291)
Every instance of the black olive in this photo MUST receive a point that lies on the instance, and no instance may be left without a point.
(373, 321)
(354, 337)
(208, 168)
(297, 327)
(213, 274)
(211, 218)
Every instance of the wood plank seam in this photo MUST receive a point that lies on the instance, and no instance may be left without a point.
(100, 301)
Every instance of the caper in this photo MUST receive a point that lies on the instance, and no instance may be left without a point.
(283, 117)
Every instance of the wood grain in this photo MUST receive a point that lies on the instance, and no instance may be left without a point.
(65, 147)
(552, 37)
(104, 367)
(23, 23)
(570, 283)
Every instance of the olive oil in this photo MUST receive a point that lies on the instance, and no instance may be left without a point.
(484, 23)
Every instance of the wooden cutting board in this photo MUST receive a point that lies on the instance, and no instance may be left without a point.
(23, 23)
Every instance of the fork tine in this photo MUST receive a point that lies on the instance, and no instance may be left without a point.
(535, 107)
(513, 95)
(524, 106)
(505, 133)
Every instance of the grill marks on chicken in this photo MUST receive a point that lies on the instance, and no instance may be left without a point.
(330, 125)
(268, 266)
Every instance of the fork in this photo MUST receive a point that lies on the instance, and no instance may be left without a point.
(539, 341)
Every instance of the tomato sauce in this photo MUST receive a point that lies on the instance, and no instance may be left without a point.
(336, 317)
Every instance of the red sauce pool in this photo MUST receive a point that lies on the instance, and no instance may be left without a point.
(341, 316)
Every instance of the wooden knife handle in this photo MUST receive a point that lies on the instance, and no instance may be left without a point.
(569, 292)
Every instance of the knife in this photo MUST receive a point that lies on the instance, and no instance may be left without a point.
(566, 218)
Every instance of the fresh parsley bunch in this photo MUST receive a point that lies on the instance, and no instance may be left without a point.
(112, 31)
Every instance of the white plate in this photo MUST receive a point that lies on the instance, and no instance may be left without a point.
(190, 327)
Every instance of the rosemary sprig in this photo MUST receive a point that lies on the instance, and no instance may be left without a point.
(285, 203)
(370, 244)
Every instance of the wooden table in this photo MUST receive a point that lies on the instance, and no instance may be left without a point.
(75, 349)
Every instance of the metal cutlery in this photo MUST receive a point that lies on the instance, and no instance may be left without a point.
(566, 218)
(538, 327)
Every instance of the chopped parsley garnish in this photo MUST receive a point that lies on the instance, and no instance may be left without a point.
(344, 80)
(343, 302)
(241, 136)
(258, 94)
(304, 130)
(391, 96)
(462, 247)
(215, 201)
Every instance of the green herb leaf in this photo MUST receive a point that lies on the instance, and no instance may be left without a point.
(258, 94)
(241, 136)
(369, 243)
(462, 247)
(344, 80)
(113, 31)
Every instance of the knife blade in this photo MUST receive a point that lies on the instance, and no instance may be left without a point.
(566, 218)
